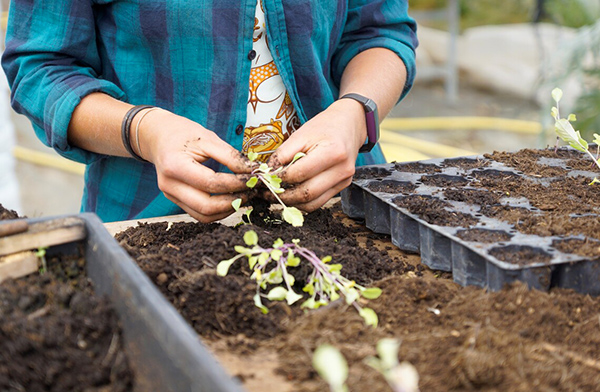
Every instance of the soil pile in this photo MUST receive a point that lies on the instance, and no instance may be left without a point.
(458, 338)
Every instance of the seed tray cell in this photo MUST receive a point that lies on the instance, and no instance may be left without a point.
(462, 236)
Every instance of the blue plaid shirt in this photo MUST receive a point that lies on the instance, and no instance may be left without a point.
(186, 56)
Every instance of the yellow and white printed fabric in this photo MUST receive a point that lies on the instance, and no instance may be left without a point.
(271, 117)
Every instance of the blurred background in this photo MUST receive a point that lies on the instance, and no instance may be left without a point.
(485, 72)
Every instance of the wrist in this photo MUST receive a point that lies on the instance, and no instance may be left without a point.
(355, 113)
(371, 119)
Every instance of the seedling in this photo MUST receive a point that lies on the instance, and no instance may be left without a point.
(402, 377)
(331, 365)
(41, 254)
(270, 178)
(325, 283)
(236, 204)
(568, 134)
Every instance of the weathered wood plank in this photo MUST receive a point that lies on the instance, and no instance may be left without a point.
(43, 234)
(18, 265)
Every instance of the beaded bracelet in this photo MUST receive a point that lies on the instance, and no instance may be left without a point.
(126, 129)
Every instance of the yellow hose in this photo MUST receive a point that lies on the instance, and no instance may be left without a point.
(48, 160)
(466, 123)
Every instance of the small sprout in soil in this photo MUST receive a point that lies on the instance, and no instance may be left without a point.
(236, 204)
(324, 285)
(331, 366)
(41, 254)
(402, 377)
(568, 134)
(270, 178)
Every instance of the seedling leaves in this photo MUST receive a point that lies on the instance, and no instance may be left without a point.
(331, 366)
(277, 294)
(259, 304)
(223, 266)
(250, 238)
(236, 204)
(251, 183)
(293, 216)
(371, 293)
(369, 316)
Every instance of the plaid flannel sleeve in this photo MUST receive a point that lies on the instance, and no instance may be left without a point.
(51, 62)
(379, 23)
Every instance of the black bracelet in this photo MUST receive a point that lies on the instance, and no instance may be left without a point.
(126, 129)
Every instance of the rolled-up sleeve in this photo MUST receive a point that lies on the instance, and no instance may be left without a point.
(51, 61)
(382, 23)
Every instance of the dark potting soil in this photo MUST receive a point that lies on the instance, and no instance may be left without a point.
(483, 235)
(466, 163)
(56, 335)
(417, 167)
(458, 338)
(434, 211)
(392, 186)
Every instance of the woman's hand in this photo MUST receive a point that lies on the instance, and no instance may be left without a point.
(178, 147)
(331, 141)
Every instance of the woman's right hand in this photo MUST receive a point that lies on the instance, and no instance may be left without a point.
(177, 147)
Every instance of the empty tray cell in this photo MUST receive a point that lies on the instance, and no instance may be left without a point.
(466, 163)
(371, 173)
(436, 252)
(377, 214)
(536, 277)
(353, 202)
(391, 186)
(473, 196)
(520, 255)
(494, 175)
(586, 247)
(434, 211)
(485, 236)
(417, 167)
(468, 267)
(404, 231)
(444, 180)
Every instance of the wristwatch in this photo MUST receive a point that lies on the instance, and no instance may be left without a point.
(372, 118)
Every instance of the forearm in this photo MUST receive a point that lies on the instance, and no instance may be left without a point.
(378, 74)
(96, 125)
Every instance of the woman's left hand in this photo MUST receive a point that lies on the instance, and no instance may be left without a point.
(331, 141)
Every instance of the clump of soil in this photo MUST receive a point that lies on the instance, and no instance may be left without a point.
(56, 335)
(443, 180)
(483, 198)
(6, 214)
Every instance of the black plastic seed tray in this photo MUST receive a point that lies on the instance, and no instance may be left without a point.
(454, 235)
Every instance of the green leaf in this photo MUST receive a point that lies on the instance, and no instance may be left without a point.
(292, 261)
(331, 365)
(253, 156)
(293, 216)
(278, 243)
(351, 296)
(567, 133)
(263, 258)
(259, 304)
(554, 112)
(371, 293)
(557, 94)
(335, 268)
(264, 168)
(594, 181)
(277, 294)
(236, 204)
(250, 238)
(309, 288)
(387, 349)
(572, 117)
(276, 254)
(597, 139)
(223, 266)
(242, 250)
(252, 261)
(275, 276)
(292, 297)
(333, 296)
(369, 316)
(251, 183)
(326, 259)
(309, 303)
(295, 241)
(297, 156)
